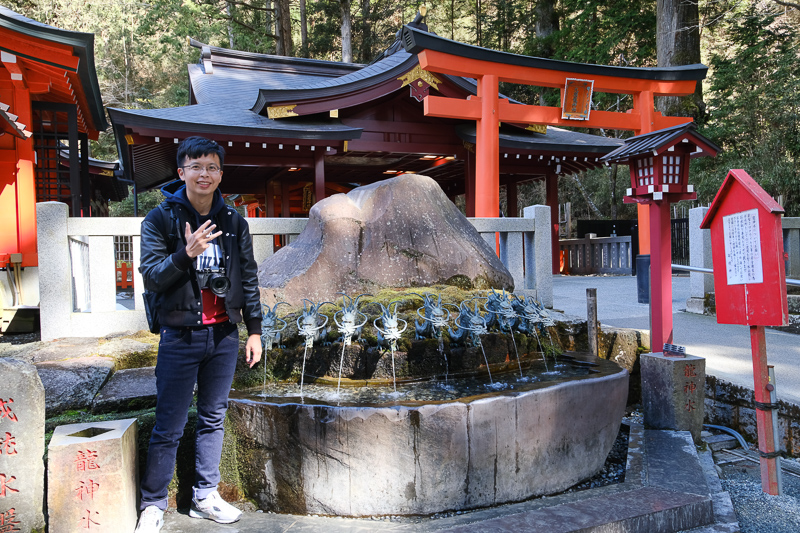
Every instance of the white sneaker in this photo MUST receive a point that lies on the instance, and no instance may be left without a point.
(214, 508)
(151, 520)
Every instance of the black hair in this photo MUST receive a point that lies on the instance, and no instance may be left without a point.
(195, 147)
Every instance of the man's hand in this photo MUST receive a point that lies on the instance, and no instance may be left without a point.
(252, 350)
(197, 242)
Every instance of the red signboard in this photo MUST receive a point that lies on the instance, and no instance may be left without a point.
(747, 251)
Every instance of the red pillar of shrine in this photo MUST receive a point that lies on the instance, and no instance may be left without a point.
(469, 171)
(551, 195)
(487, 157)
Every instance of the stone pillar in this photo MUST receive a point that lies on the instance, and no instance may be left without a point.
(538, 255)
(92, 477)
(55, 296)
(791, 245)
(21, 447)
(673, 392)
(699, 256)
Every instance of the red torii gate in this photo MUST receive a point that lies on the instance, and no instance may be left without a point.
(489, 67)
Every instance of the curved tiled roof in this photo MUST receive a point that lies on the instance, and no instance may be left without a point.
(232, 74)
(369, 76)
(232, 120)
(556, 139)
(416, 41)
(83, 47)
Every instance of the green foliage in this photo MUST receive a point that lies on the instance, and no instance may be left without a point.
(754, 103)
(148, 201)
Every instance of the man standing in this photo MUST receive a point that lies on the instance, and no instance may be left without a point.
(197, 256)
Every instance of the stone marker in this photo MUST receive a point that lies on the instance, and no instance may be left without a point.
(21, 447)
(92, 477)
(673, 392)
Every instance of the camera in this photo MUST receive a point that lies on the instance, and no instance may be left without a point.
(214, 279)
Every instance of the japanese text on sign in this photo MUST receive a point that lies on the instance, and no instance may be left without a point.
(742, 248)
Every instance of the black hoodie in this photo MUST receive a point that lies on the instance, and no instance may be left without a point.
(168, 270)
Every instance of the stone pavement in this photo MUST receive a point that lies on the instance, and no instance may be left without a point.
(726, 347)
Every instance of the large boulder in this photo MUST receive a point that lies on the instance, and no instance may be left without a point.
(400, 232)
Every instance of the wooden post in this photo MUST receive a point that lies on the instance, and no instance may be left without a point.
(766, 434)
(660, 276)
(319, 176)
(591, 320)
(487, 150)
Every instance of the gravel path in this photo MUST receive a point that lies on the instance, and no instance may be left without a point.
(756, 511)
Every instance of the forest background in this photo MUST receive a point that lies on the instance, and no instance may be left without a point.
(749, 103)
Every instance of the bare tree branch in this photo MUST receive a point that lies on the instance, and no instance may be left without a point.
(787, 4)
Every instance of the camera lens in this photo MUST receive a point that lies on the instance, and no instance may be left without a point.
(219, 284)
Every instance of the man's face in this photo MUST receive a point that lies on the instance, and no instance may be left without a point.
(201, 175)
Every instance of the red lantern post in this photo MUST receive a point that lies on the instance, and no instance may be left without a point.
(659, 165)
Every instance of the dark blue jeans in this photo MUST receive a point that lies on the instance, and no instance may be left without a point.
(206, 356)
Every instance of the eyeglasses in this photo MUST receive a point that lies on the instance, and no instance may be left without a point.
(196, 169)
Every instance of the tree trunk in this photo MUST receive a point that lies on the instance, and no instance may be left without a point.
(614, 169)
(229, 23)
(546, 23)
(283, 27)
(478, 32)
(347, 32)
(366, 32)
(678, 43)
(303, 30)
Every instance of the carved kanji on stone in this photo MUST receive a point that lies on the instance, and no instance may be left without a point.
(5, 410)
(86, 461)
(87, 521)
(8, 521)
(87, 488)
(5, 485)
(8, 445)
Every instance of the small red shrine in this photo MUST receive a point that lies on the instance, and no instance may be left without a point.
(750, 289)
(50, 106)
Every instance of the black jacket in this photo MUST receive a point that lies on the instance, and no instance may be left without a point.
(169, 271)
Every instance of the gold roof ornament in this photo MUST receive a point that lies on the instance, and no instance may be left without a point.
(282, 111)
(417, 73)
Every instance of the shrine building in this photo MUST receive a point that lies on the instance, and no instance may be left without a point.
(50, 106)
(297, 130)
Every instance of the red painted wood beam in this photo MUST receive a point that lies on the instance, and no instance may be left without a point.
(551, 195)
(461, 66)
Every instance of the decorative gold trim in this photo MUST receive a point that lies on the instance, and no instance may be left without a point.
(538, 128)
(129, 139)
(107, 173)
(282, 111)
(344, 149)
(469, 146)
(417, 73)
(334, 113)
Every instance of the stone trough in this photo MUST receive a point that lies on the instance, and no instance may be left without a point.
(420, 459)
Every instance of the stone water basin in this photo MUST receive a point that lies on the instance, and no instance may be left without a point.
(419, 452)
